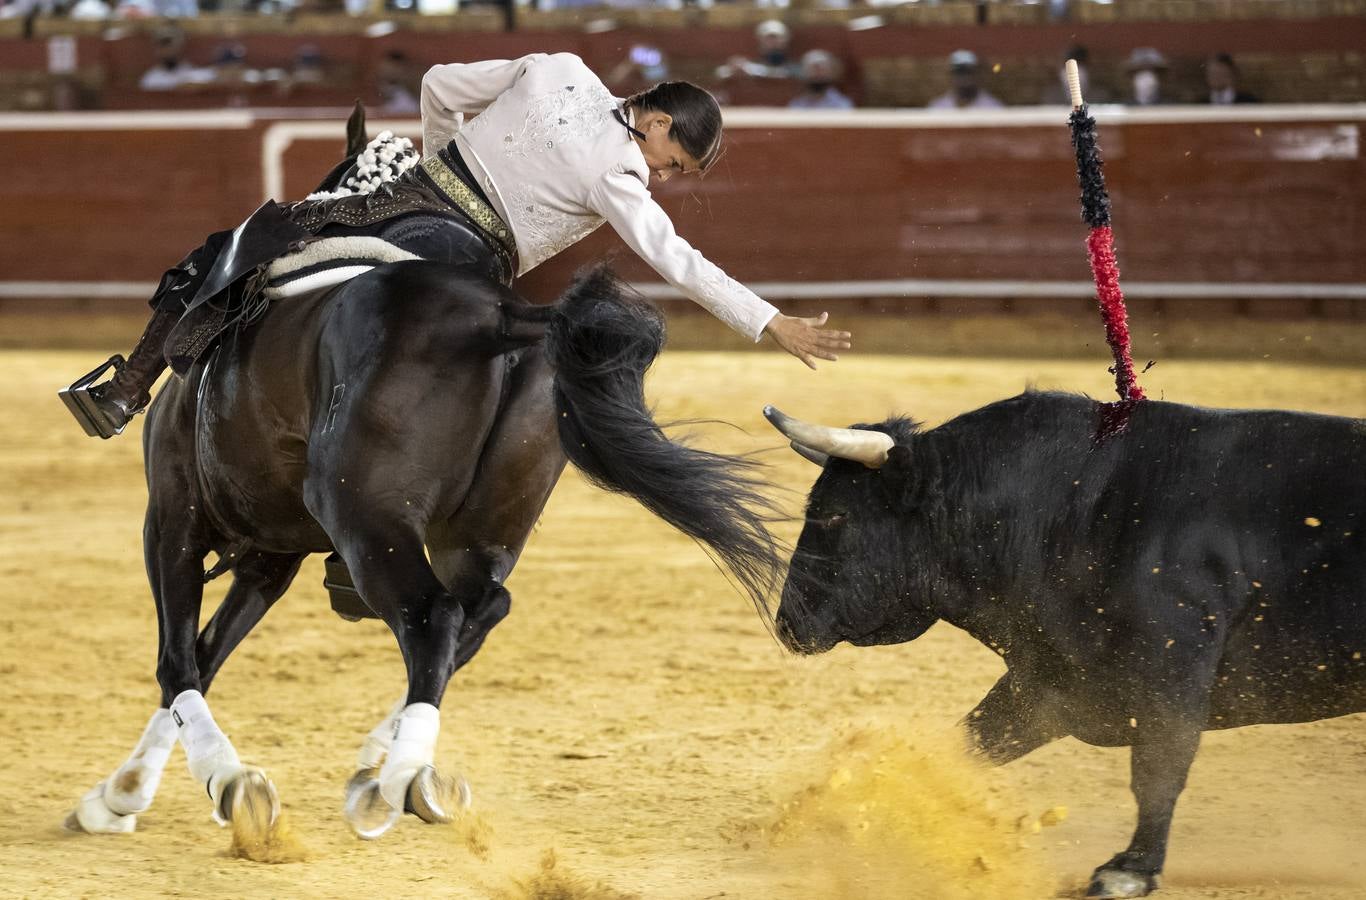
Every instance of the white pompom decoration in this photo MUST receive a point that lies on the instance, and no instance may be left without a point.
(384, 160)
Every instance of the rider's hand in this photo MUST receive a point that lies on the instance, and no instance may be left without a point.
(805, 339)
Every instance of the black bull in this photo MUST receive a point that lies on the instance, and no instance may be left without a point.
(1203, 569)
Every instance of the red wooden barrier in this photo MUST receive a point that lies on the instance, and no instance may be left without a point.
(1279, 199)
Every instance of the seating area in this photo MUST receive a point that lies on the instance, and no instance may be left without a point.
(1287, 51)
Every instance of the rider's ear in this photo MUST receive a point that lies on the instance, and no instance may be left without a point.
(664, 119)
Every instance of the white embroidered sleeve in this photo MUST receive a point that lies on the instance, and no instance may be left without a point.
(451, 92)
(621, 199)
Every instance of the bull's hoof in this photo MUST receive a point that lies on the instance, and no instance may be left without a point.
(93, 816)
(365, 810)
(1108, 884)
(437, 799)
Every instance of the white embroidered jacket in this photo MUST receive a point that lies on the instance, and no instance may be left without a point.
(547, 150)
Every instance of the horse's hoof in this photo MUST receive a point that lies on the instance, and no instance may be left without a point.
(1109, 884)
(437, 799)
(250, 802)
(93, 816)
(365, 810)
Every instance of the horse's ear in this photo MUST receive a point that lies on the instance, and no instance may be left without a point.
(355, 130)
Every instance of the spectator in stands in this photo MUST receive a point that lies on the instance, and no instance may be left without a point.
(398, 86)
(27, 9)
(774, 59)
(230, 63)
(965, 92)
(644, 66)
(1145, 68)
(153, 9)
(1221, 75)
(1058, 94)
(820, 70)
(308, 66)
(172, 70)
(90, 9)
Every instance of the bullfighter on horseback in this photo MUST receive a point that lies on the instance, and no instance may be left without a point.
(406, 413)
(548, 157)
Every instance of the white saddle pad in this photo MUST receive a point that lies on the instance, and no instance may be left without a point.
(327, 262)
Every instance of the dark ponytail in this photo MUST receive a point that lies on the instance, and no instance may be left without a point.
(696, 117)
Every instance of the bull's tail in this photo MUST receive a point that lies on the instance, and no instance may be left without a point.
(602, 338)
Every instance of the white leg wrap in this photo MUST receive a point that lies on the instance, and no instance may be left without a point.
(412, 750)
(377, 742)
(94, 816)
(211, 757)
(133, 785)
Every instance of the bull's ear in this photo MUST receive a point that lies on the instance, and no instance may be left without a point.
(898, 460)
(905, 483)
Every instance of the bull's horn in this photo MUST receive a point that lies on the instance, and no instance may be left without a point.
(867, 447)
(810, 455)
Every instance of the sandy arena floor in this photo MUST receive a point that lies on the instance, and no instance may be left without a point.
(631, 713)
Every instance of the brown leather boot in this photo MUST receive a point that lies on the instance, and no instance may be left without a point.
(104, 410)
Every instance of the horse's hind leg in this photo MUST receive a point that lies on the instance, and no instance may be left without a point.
(475, 550)
(472, 553)
(392, 573)
(375, 494)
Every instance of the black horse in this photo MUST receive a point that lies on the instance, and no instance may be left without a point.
(413, 420)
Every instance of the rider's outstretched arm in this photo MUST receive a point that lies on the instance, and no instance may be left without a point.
(622, 199)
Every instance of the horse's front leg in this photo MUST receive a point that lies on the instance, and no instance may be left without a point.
(113, 805)
(175, 552)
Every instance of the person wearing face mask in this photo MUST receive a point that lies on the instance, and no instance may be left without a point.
(774, 59)
(819, 71)
(548, 156)
(965, 91)
(1221, 76)
(1145, 68)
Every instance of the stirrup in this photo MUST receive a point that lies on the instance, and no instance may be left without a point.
(83, 406)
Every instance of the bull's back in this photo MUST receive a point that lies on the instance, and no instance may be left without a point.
(1268, 509)
(1238, 533)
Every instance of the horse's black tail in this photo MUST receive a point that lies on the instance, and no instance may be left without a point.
(601, 340)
